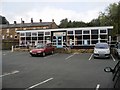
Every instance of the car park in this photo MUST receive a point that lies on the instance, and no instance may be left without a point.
(42, 49)
(116, 74)
(101, 50)
(117, 50)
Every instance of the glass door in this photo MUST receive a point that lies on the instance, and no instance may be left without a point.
(59, 43)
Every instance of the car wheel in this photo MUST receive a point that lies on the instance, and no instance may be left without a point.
(43, 54)
(32, 55)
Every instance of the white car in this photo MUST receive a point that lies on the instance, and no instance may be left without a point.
(101, 50)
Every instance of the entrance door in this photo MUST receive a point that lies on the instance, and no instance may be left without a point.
(59, 41)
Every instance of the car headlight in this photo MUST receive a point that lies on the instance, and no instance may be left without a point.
(95, 51)
(30, 51)
(107, 51)
(38, 51)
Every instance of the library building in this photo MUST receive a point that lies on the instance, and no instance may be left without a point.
(77, 37)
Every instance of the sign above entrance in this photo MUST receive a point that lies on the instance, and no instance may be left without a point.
(59, 33)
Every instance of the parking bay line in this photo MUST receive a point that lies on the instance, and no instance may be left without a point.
(113, 57)
(91, 57)
(6, 74)
(70, 56)
(97, 87)
(39, 84)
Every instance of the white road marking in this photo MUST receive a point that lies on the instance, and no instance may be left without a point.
(70, 56)
(39, 84)
(51, 55)
(113, 57)
(90, 57)
(6, 74)
(97, 87)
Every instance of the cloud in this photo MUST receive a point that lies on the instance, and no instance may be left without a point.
(49, 13)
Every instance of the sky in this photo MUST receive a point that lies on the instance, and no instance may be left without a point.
(74, 10)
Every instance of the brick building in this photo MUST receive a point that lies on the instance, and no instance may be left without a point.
(8, 31)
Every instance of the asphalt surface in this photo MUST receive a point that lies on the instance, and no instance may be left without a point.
(20, 70)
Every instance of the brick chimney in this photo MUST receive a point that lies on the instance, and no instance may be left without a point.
(52, 20)
(15, 22)
(31, 20)
(40, 20)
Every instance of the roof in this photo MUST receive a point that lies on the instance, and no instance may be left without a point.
(68, 29)
(26, 24)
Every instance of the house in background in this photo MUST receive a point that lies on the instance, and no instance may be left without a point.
(10, 37)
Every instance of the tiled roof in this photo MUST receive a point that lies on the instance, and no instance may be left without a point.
(26, 24)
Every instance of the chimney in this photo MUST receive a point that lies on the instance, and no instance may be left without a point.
(52, 20)
(31, 20)
(15, 22)
(40, 20)
(22, 22)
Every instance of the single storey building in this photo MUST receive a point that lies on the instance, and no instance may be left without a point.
(77, 37)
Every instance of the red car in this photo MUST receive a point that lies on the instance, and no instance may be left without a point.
(42, 49)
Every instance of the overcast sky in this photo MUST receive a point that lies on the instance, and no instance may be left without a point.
(75, 10)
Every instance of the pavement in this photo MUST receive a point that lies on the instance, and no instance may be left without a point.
(20, 70)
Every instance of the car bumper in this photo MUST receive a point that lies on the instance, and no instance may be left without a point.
(36, 53)
(101, 55)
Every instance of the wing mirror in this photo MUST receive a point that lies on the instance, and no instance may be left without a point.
(108, 69)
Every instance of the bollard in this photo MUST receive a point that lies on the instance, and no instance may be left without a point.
(12, 49)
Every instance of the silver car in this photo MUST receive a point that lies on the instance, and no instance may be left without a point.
(117, 50)
(102, 50)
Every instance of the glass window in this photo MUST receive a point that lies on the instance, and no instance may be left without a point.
(34, 34)
(86, 36)
(28, 33)
(102, 31)
(22, 38)
(22, 34)
(94, 31)
(34, 38)
(70, 32)
(47, 33)
(94, 36)
(78, 31)
(86, 32)
(40, 33)
(103, 36)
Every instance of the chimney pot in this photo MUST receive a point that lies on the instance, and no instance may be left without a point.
(31, 20)
(15, 22)
(40, 20)
(52, 20)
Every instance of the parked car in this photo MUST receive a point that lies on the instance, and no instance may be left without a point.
(115, 75)
(117, 49)
(42, 49)
(101, 50)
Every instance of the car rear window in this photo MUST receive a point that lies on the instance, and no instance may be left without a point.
(101, 46)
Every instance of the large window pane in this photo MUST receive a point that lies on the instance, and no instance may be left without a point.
(70, 32)
(28, 33)
(102, 31)
(94, 31)
(78, 31)
(86, 32)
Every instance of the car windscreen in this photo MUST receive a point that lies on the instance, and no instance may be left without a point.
(40, 46)
(101, 46)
